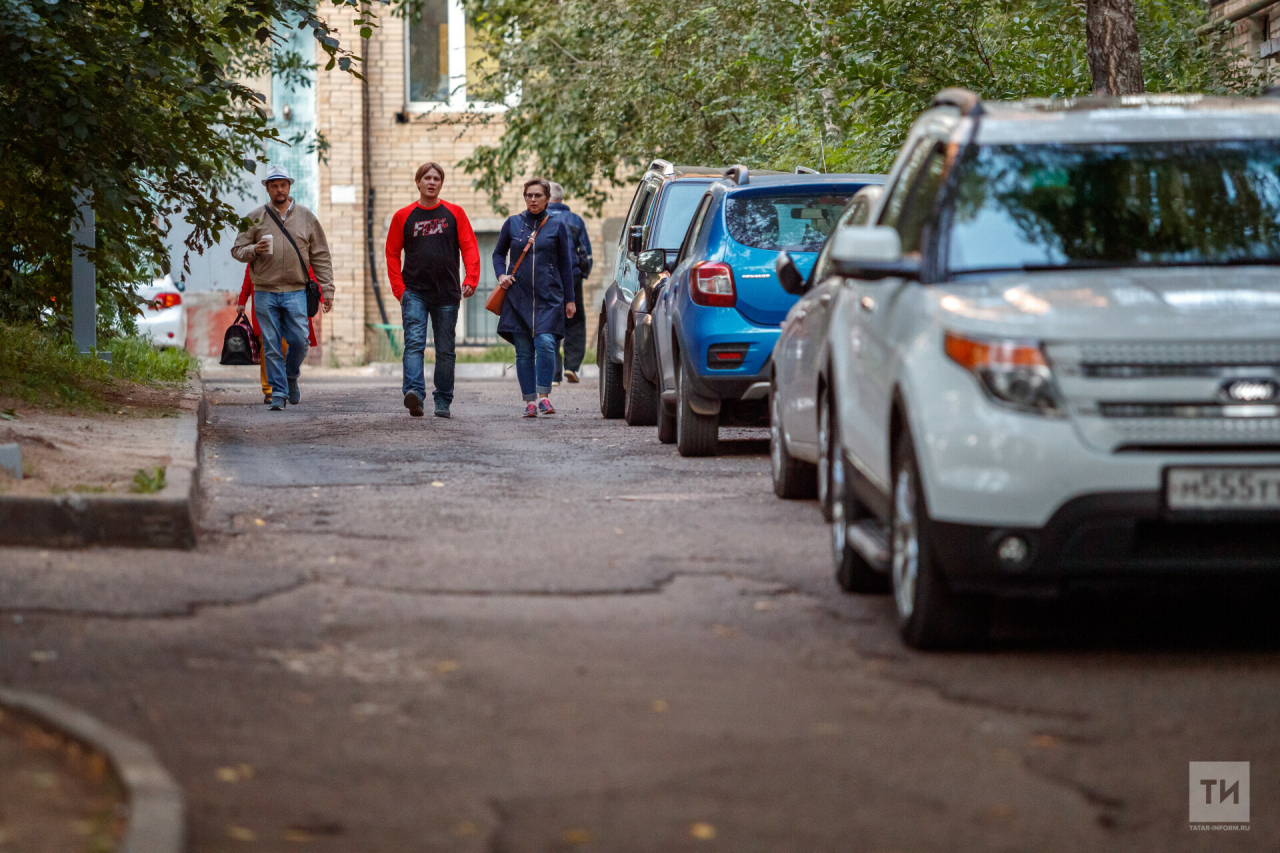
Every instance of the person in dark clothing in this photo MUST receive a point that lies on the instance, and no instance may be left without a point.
(535, 307)
(432, 234)
(575, 329)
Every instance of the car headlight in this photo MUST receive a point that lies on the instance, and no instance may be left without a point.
(1012, 373)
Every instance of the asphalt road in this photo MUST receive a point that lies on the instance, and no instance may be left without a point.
(502, 635)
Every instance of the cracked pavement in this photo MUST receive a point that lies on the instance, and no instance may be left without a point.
(492, 634)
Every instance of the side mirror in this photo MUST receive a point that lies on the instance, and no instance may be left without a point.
(652, 261)
(788, 275)
(872, 252)
(635, 240)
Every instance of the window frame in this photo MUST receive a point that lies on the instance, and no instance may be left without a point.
(457, 102)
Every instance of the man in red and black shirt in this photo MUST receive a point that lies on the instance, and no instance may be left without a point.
(432, 234)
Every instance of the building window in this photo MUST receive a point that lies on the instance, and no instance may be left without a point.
(443, 58)
(429, 51)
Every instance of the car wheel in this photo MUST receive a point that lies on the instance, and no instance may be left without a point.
(642, 395)
(792, 478)
(853, 573)
(696, 435)
(826, 451)
(930, 616)
(611, 393)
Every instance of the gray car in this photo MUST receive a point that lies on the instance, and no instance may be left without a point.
(658, 218)
(1053, 356)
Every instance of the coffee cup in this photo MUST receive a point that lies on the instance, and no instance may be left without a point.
(271, 243)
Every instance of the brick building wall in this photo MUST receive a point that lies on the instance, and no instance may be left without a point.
(395, 150)
(1257, 36)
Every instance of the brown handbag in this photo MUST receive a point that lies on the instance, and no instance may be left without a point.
(494, 303)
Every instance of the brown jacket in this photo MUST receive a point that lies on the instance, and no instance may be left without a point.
(280, 271)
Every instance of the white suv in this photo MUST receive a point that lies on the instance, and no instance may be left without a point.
(1055, 355)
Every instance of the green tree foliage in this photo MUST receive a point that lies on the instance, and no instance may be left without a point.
(604, 85)
(141, 104)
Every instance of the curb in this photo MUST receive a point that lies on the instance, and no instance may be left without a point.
(157, 821)
(164, 520)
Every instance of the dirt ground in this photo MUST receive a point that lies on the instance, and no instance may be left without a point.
(55, 795)
(90, 452)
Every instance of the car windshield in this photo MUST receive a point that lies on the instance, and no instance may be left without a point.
(1108, 205)
(792, 222)
(678, 206)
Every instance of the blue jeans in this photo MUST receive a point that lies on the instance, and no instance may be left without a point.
(282, 316)
(444, 320)
(535, 363)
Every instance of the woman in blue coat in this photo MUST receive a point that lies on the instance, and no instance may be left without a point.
(534, 311)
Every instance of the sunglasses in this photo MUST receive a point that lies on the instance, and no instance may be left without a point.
(535, 195)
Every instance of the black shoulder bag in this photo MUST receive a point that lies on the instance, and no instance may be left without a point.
(313, 289)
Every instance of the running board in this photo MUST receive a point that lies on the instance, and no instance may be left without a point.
(871, 540)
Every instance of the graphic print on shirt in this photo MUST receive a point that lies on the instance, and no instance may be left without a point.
(430, 227)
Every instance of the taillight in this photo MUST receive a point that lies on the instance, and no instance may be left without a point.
(712, 284)
(166, 300)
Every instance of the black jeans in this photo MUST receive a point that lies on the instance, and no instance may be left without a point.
(575, 336)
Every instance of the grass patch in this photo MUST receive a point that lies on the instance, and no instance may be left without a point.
(39, 368)
(148, 482)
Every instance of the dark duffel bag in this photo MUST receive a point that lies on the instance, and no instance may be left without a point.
(239, 346)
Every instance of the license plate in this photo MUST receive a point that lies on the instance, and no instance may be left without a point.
(1222, 488)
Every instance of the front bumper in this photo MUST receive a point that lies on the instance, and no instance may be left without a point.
(1107, 536)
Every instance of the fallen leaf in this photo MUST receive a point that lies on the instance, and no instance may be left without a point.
(702, 831)
(259, 522)
(47, 656)
(227, 774)
(660, 706)
(617, 530)
(1046, 741)
(447, 666)
(437, 484)
(577, 836)
(297, 835)
(239, 833)
(246, 770)
(725, 631)
(465, 828)
(765, 605)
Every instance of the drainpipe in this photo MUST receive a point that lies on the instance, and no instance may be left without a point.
(368, 202)
(1239, 14)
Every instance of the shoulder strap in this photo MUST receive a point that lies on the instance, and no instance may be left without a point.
(276, 219)
(529, 245)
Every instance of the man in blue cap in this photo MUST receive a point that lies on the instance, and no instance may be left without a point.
(284, 248)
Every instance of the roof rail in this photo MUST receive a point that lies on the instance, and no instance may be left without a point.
(966, 101)
(738, 173)
(662, 166)
(805, 170)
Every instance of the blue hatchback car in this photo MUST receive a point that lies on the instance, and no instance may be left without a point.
(719, 314)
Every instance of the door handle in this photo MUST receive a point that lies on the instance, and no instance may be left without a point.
(867, 304)
(824, 298)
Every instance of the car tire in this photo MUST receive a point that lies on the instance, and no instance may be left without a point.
(826, 451)
(930, 616)
(612, 398)
(696, 435)
(642, 395)
(853, 572)
(793, 479)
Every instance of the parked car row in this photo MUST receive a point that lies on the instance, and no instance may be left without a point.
(1044, 353)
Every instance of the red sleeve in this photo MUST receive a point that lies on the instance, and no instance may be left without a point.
(395, 243)
(246, 289)
(467, 246)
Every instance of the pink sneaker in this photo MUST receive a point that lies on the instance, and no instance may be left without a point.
(531, 410)
(545, 407)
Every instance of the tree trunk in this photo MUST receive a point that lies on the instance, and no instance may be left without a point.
(1111, 34)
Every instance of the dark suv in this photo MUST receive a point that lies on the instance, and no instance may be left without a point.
(660, 214)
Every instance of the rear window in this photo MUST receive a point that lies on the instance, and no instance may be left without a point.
(794, 223)
(679, 204)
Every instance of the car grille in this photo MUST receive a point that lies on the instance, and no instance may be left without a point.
(1168, 395)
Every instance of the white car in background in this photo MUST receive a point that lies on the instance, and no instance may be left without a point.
(166, 322)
